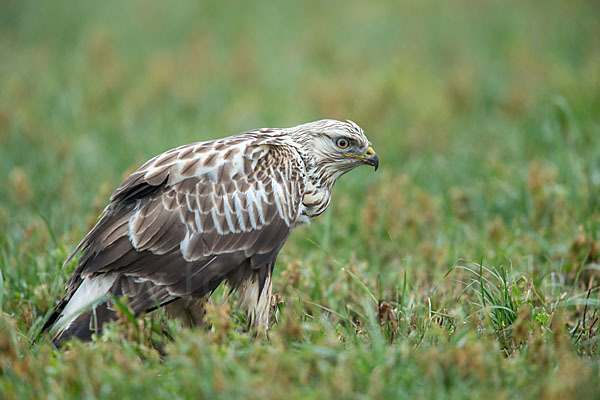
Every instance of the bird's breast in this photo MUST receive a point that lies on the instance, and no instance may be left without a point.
(315, 201)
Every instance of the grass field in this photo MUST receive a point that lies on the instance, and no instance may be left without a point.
(468, 266)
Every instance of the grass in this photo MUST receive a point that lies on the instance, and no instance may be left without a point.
(466, 267)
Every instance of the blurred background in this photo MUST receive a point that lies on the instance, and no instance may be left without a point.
(485, 116)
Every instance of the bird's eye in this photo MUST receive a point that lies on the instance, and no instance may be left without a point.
(342, 143)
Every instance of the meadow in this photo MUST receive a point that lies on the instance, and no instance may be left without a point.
(467, 266)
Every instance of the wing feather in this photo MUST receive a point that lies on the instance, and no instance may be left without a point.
(192, 216)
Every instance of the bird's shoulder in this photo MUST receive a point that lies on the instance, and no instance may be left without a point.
(243, 158)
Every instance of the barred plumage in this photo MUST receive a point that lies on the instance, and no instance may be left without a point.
(204, 213)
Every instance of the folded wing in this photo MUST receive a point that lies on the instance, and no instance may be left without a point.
(184, 222)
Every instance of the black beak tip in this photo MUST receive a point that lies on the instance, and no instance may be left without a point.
(375, 162)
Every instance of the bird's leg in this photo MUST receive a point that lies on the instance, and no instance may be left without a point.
(190, 311)
(255, 302)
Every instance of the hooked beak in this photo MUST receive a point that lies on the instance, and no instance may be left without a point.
(369, 158)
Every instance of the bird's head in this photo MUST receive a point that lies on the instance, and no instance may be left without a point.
(335, 147)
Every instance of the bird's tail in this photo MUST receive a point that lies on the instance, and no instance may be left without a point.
(84, 325)
(93, 305)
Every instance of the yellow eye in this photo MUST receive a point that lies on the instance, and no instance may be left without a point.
(342, 143)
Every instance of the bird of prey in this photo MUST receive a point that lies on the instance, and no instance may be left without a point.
(204, 213)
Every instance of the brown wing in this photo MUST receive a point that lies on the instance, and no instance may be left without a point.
(190, 217)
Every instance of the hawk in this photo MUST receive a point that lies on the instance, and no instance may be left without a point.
(204, 213)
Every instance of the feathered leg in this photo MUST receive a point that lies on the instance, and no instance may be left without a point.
(189, 310)
(254, 288)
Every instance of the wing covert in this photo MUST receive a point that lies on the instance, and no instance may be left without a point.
(212, 211)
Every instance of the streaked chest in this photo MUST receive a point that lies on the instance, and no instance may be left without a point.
(316, 199)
